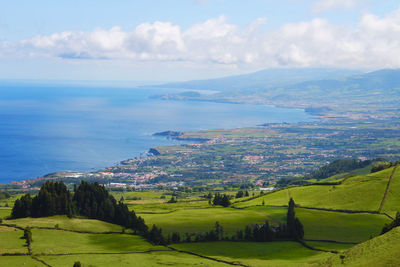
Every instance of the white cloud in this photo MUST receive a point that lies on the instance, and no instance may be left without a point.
(321, 6)
(373, 43)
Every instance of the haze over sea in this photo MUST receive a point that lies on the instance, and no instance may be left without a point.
(45, 129)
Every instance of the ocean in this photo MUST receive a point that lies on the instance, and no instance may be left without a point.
(45, 129)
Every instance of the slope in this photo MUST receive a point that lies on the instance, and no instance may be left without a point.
(380, 251)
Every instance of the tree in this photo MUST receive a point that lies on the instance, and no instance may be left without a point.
(294, 226)
(239, 194)
(176, 238)
(172, 200)
(155, 236)
(225, 202)
(77, 264)
(248, 234)
(219, 230)
(290, 217)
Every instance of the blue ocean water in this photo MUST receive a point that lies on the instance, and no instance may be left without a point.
(45, 129)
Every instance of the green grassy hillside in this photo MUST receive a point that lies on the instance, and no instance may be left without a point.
(379, 251)
(337, 226)
(202, 220)
(63, 222)
(257, 254)
(363, 192)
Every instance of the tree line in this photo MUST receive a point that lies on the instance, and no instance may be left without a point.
(91, 200)
(291, 230)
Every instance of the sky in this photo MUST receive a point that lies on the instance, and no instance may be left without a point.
(172, 40)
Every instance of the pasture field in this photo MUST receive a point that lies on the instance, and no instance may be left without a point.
(380, 251)
(19, 261)
(158, 258)
(202, 220)
(356, 193)
(63, 222)
(329, 246)
(338, 226)
(5, 212)
(283, 253)
(273, 214)
(167, 207)
(10, 240)
(392, 202)
(68, 242)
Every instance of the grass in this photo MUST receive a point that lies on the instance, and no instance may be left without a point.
(53, 241)
(272, 213)
(167, 207)
(11, 242)
(202, 220)
(167, 258)
(18, 261)
(392, 203)
(356, 193)
(326, 225)
(379, 251)
(330, 246)
(283, 253)
(64, 222)
(5, 212)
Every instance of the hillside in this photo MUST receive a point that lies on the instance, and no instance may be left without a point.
(335, 218)
(357, 193)
(326, 93)
(380, 251)
(263, 79)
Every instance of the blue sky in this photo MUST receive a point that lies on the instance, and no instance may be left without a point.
(192, 39)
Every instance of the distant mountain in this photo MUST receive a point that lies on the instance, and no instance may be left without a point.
(263, 79)
(377, 81)
(328, 93)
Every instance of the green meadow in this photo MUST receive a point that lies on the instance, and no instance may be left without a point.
(70, 242)
(63, 222)
(10, 240)
(97, 243)
(5, 212)
(283, 253)
(363, 192)
(159, 258)
(380, 251)
(202, 220)
(338, 226)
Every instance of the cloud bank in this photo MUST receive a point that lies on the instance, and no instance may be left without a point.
(328, 5)
(373, 43)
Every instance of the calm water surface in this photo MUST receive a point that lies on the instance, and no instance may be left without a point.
(46, 129)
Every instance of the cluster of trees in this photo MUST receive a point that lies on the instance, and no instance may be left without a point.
(90, 200)
(293, 229)
(241, 194)
(379, 165)
(393, 224)
(221, 200)
(53, 199)
(259, 233)
(338, 166)
(94, 201)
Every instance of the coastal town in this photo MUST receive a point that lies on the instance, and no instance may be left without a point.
(256, 157)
